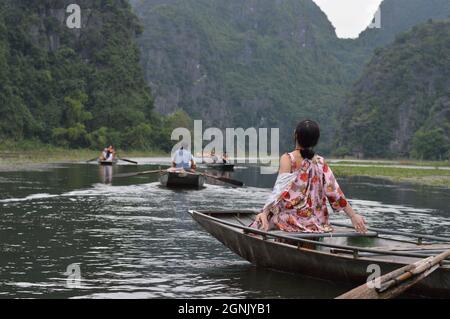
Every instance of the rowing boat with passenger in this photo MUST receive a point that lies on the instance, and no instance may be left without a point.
(182, 179)
(107, 163)
(341, 256)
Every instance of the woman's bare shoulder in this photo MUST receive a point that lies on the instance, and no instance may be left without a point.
(285, 163)
(285, 157)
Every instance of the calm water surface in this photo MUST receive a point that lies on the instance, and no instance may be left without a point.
(134, 239)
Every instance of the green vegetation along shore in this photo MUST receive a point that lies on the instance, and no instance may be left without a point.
(408, 163)
(428, 175)
(24, 153)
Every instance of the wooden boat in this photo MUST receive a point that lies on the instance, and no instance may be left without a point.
(182, 180)
(341, 256)
(107, 163)
(221, 166)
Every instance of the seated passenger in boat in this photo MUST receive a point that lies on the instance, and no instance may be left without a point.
(305, 183)
(104, 155)
(108, 154)
(225, 157)
(183, 160)
(213, 155)
(111, 153)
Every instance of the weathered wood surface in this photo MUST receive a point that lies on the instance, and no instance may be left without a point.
(397, 282)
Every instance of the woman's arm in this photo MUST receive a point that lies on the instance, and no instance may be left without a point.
(338, 201)
(357, 220)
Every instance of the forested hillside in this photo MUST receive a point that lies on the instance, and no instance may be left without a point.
(259, 63)
(74, 87)
(398, 16)
(248, 63)
(401, 104)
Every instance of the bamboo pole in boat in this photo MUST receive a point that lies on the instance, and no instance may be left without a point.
(395, 283)
(327, 235)
(356, 250)
(376, 230)
(400, 233)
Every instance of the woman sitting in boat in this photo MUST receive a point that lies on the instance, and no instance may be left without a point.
(184, 160)
(305, 182)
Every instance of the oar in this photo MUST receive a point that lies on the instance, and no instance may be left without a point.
(91, 160)
(396, 282)
(222, 179)
(225, 180)
(138, 173)
(127, 160)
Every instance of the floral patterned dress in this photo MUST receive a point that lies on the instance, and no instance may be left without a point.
(302, 205)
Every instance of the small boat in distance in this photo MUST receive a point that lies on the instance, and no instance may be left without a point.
(342, 256)
(108, 157)
(182, 179)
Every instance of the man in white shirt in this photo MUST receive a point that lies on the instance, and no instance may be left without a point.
(183, 159)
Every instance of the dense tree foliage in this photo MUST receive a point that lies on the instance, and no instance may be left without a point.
(401, 105)
(264, 63)
(245, 64)
(398, 16)
(74, 87)
(258, 63)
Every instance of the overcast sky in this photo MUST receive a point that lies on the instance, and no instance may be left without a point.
(349, 17)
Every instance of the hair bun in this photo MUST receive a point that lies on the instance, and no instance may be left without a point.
(307, 153)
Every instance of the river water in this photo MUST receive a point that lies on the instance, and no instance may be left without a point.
(131, 238)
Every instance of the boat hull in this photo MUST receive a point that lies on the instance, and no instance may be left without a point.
(221, 166)
(337, 268)
(182, 180)
(107, 163)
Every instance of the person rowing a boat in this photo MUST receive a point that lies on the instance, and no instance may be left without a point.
(305, 183)
(111, 153)
(104, 155)
(184, 160)
(108, 154)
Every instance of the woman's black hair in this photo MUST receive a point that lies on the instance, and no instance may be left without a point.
(307, 136)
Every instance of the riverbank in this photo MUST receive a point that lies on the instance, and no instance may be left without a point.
(415, 174)
(399, 163)
(22, 155)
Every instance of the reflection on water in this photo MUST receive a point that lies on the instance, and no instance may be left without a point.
(106, 174)
(133, 238)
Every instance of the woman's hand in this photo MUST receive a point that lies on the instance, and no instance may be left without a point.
(359, 223)
(262, 218)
